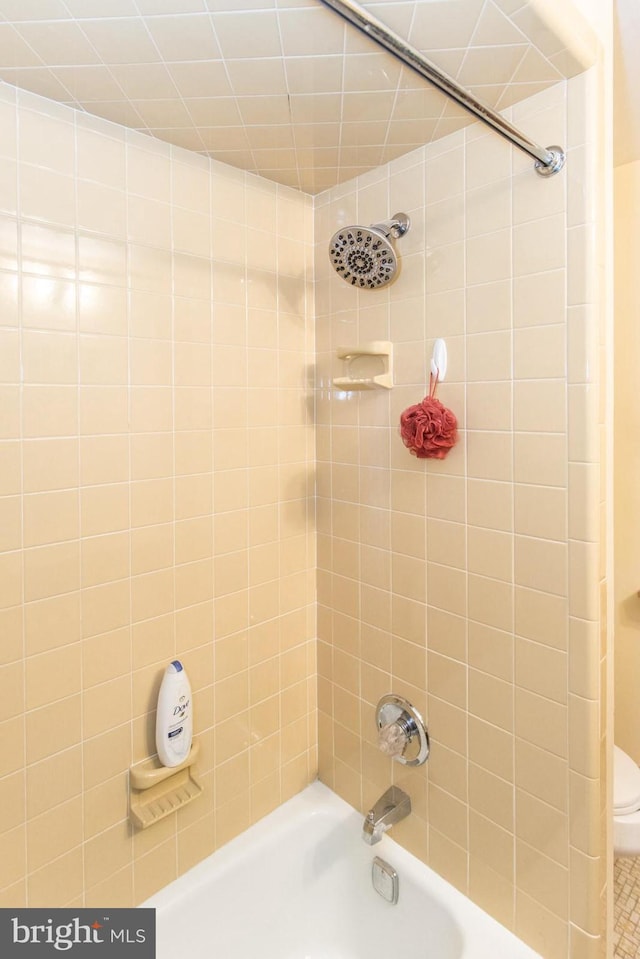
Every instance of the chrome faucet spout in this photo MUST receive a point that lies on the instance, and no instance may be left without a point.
(393, 806)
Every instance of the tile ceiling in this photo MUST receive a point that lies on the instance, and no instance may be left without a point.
(283, 88)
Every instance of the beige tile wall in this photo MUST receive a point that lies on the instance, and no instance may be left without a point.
(156, 460)
(627, 530)
(470, 585)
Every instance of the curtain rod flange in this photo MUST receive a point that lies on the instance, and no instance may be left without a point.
(555, 164)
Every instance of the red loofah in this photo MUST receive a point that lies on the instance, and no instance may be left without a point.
(429, 429)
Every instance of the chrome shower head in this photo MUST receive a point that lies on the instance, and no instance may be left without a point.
(364, 255)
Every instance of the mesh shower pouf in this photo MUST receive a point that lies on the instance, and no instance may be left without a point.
(428, 429)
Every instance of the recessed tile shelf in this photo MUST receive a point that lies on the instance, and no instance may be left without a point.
(157, 790)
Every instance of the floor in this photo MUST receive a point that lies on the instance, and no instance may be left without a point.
(626, 930)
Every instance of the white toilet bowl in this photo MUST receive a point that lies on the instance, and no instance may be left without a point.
(626, 805)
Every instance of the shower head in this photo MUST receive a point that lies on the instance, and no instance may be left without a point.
(364, 255)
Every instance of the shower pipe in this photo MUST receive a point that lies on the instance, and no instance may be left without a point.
(548, 161)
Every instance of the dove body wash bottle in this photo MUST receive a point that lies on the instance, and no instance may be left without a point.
(174, 720)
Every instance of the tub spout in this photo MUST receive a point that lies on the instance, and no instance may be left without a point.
(392, 806)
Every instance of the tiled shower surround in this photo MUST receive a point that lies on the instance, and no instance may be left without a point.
(157, 482)
(156, 477)
(470, 585)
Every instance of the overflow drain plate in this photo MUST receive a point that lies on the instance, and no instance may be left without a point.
(385, 880)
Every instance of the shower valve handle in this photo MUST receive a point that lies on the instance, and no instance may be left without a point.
(393, 739)
(402, 734)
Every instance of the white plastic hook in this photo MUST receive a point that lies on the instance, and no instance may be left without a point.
(439, 360)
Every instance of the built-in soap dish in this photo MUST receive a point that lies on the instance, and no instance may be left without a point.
(368, 366)
(157, 790)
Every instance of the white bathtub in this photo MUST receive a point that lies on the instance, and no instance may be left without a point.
(297, 885)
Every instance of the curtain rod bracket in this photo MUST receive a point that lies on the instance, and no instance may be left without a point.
(555, 164)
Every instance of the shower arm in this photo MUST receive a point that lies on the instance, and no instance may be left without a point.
(396, 227)
(548, 161)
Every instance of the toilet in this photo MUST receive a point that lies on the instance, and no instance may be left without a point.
(626, 804)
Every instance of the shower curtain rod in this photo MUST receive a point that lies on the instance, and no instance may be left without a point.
(548, 161)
